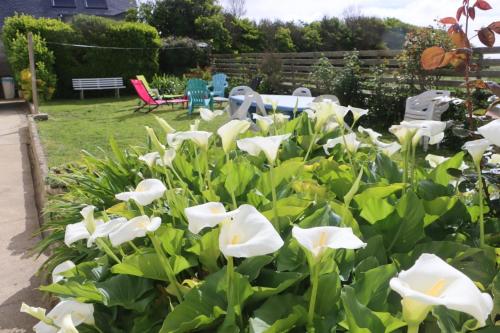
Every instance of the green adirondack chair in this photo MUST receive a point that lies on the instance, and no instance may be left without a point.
(198, 95)
(219, 84)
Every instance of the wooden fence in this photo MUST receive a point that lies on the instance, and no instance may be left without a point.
(297, 67)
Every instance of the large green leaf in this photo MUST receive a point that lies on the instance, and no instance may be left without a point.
(387, 168)
(328, 294)
(238, 175)
(130, 292)
(251, 267)
(207, 250)
(376, 209)
(372, 286)
(279, 314)
(171, 238)
(202, 306)
(82, 292)
(440, 174)
(272, 283)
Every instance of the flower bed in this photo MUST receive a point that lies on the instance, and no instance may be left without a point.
(279, 226)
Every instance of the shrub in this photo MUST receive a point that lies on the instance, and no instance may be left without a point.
(19, 62)
(271, 70)
(323, 74)
(349, 80)
(169, 84)
(181, 54)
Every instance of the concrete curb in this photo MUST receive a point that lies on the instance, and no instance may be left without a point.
(39, 167)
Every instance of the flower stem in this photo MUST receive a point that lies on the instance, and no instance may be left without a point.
(207, 172)
(166, 266)
(405, 166)
(273, 193)
(230, 288)
(107, 250)
(481, 208)
(412, 166)
(314, 293)
(311, 145)
(413, 328)
(136, 249)
(184, 185)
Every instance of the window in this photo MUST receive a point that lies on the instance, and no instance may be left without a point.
(63, 3)
(96, 4)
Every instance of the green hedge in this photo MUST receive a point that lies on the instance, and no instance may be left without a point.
(72, 62)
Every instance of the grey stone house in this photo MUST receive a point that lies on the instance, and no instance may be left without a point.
(62, 9)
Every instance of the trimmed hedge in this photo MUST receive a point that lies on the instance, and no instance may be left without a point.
(72, 62)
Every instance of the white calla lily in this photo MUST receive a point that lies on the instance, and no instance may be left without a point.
(330, 126)
(340, 113)
(494, 159)
(61, 268)
(164, 125)
(389, 149)
(209, 115)
(434, 130)
(78, 231)
(349, 141)
(317, 240)
(195, 125)
(78, 313)
(476, 149)
(264, 122)
(145, 193)
(230, 131)
(268, 145)
(323, 112)
(200, 138)
(168, 158)
(431, 281)
(38, 313)
(404, 132)
(435, 160)
(136, 227)
(491, 132)
(371, 133)
(357, 112)
(249, 234)
(150, 158)
(207, 215)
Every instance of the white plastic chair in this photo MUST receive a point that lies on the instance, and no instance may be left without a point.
(237, 91)
(242, 112)
(322, 98)
(302, 91)
(429, 105)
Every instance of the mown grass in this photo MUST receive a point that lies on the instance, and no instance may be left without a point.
(76, 125)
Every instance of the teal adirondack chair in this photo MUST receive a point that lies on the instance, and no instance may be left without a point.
(219, 84)
(198, 95)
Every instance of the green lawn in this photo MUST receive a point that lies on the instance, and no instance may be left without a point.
(76, 125)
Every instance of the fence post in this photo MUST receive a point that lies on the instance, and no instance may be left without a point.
(31, 55)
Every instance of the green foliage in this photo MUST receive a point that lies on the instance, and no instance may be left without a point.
(323, 75)
(271, 69)
(19, 61)
(284, 42)
(181, 54)
(169, 84)
(348, 81)
(212, 30)
(90, 30)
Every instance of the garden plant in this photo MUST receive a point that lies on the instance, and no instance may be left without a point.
(288, 225)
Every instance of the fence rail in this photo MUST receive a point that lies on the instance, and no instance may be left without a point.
(297, 67)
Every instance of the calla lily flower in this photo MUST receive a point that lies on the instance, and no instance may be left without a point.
(89, 228)
(249, 234)
(340, 113)
(209, 115)
(349, 141)
(389, 149)
(330, 127)
(61, 268)
(136, 227)
(164, 125)
(145, 193)
(38, 313)
(476, 149)
(371, 133)
(78, 313)
(317, 240)
(195, 125)
(494, 159)
(150, 158)
(264, 122)
(434, 130)
(357, 113)
(207, 215)
(230, 131)
(323, 112)
(200, 138)
(435, 160)
(269, 145)
(167, 158)
(431, 281)
(404, 132)
(491, 132)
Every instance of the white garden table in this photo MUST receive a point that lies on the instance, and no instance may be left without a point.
(285, 103)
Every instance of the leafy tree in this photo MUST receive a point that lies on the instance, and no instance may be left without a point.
(333, 34)
(212, 29)
(245, 35)
(312, 37)
(284, 42)
(366, 32)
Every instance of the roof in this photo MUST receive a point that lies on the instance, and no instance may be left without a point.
(44, 8)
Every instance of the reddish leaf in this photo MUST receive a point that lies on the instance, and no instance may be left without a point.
(483, 5)
(495, 26)
(459, 38)
(460, 12)
(458, 61)
(486, 36)
(448, 20)
(448, 56)
(432, 58)
(472, 13)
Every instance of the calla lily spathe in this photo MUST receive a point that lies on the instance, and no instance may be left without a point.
(61, 268)
(431, 281)
(268, 145)
(265, 122)
(317, 240)
(199, 138)
(150, 158)
(349, 141)
(249, 234)
(435, 160)
(371, 133)
(434, 130)
(357, 113)
(230, 131)
(404, 132)
(145, 193)
(207, 215)
(494, 159)
(89, 228)
(209, 115)
(164, 125)
(193, 127)
(491, 132)
(323, 112)
(388, 149)
(78, 313)
(136, 227)
(476, 149)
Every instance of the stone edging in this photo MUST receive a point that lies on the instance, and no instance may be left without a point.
(39, 166)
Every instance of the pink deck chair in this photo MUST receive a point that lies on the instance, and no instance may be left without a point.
(145, 97)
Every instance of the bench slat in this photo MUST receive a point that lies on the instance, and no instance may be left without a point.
(98, 83)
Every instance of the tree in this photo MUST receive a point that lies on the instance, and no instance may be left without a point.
(245, 35)
(237, 8)
(312, 37)
(212, 29)
(284, 42)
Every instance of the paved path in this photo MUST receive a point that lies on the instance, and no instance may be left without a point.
(18, 222)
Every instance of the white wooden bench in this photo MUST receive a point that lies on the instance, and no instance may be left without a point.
(115, 83)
